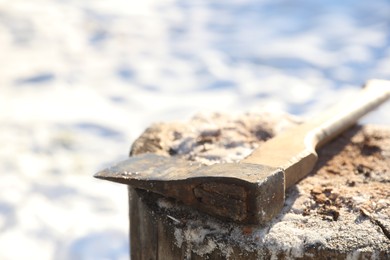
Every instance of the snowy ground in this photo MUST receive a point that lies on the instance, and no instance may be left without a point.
(79, 80)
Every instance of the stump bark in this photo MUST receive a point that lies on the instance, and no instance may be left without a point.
(341, 210)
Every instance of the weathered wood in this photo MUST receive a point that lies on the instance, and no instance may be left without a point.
(320, 219)
(144, 233)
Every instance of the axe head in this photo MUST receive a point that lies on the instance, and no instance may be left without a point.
(241, 192)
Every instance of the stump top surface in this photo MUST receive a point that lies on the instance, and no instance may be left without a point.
(341, 209)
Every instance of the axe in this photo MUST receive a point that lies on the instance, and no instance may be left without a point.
(251, 191)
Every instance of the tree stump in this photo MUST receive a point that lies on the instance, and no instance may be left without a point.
(341, 210)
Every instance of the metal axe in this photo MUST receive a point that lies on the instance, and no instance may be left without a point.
(251, 191)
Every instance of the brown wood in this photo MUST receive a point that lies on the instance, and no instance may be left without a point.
(154, 229)
(144, 233)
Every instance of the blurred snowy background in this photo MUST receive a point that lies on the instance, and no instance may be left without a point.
(80, 80)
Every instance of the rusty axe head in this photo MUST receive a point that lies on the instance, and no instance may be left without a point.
(248, 192)
(252, 198)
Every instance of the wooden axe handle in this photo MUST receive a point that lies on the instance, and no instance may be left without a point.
(294, 150)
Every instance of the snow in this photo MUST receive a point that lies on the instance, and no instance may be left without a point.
(80, 80)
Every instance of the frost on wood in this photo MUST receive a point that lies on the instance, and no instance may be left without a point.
(342, 210)
(212, 138)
